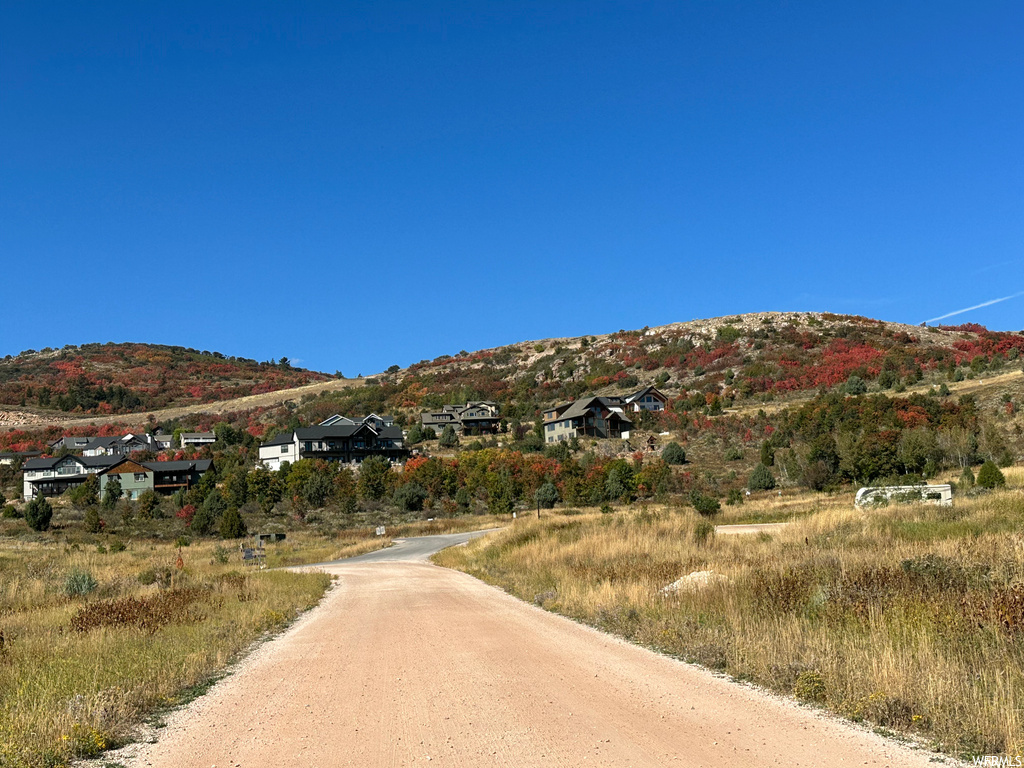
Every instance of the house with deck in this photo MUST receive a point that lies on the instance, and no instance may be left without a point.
(646, 399)
(196, 439)
(600, 417)
(348, 443)
(476, 418)
(164, 477)
(54, 475)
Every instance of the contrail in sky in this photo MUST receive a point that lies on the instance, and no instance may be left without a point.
(976, 306)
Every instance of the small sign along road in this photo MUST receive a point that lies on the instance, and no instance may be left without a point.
(406, 663)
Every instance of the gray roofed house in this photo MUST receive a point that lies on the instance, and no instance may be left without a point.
(9, 457)
(71, 442)
(600, 417)
(197, 438)
(120, 445)
(377, 421)
(345, 443)
(646, 399)
(163, 477)
(479, 417)
(53, 475)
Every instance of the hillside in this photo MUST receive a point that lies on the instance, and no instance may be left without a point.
(131, 378)
(722, 363)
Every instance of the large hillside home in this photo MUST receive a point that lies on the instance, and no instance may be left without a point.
(163, 477)
(124, 444)
(53, 476)
(478, 418)
(343, 442)
(196, 438)
(600, 417)
(71, 443)
(646, 399)
(378, 422)
(9, 458)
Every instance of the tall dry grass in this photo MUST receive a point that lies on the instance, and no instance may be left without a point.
(78, 671)
(909, 617)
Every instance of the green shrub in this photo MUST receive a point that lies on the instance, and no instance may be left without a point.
(734, 454)
(761, 479)
(703, 533)
(966, 480)
(606, 509)
(547, 495)
(232, 526)
(735, 497)
(705, 505)
(673, 453)
(410, 497)
(448, 439)
(79, 583)
(38, 514)
(92, 521)
(855, 386)
(990, 476)
(10, 511)
(112, 492)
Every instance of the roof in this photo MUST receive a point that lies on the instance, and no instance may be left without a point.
(637, 395)
(583, 407)
(208, 435)
(346, 430)
(85, 461)
(199, 465)
(281, 438)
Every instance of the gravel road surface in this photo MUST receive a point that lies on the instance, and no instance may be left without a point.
(406, 663)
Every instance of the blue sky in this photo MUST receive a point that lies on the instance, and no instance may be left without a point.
(359, 184)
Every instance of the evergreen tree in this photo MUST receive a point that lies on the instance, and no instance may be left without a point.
(673, 453)
(761, 479)
(990, 476)
(93, 524)
(208, 513)
(38, 514)
(112, 492)
(374, 478)
(547, 495)
(448, 437)
(232, 526)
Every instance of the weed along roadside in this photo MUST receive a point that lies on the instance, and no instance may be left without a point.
(908, 618)
(93, 642)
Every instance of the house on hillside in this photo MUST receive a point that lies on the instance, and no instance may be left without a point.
(477, 418)
(71, 443)
(378, 422)
(600, 417)
(348, 443)
(646, 399)
(196, 438)
(52, 476)
(8, 458)
(163, 477)
(124, 444)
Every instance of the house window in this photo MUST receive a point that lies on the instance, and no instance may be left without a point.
(140, 477)
(309, 446)
(284, 448)
(551, 427)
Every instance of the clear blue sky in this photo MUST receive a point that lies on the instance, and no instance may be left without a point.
(359, 184)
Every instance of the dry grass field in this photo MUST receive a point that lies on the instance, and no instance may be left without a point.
(98, 633)
(908, 617)
(94, 641)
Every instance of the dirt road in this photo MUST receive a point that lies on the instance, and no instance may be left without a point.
(406, 663)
